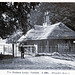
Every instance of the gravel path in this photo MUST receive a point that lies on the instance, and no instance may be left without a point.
(41, 62)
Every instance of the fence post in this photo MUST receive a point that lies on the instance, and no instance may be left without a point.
(4, 49)
(13, 49)
(8, 50)
(36, 49)
(16, 50)
(30, 49)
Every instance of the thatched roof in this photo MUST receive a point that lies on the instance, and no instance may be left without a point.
(55, 31)
(14, 37)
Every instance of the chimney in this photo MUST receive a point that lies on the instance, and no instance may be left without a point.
(46, 19)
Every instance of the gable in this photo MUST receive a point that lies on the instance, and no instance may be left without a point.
(14, 37)
(62, 32)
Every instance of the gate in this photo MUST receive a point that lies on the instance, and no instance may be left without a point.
(30, 49)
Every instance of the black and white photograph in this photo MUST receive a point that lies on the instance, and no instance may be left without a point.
(37, 35)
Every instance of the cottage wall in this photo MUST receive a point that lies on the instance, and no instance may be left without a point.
(66, 46)
(44, 46)
(49, 46)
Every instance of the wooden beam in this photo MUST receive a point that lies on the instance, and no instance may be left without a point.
(47, 45)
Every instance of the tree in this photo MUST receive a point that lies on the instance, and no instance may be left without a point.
(63, 12)
(14, 16)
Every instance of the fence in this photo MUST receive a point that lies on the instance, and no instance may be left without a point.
(6, 49)
(29, 49)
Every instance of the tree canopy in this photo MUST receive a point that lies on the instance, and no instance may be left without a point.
(15, 16)
(58, 12)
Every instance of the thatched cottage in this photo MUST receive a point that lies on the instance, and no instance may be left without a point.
(50, 38)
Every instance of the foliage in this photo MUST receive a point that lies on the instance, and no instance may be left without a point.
(14, 16)
(64, 12)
